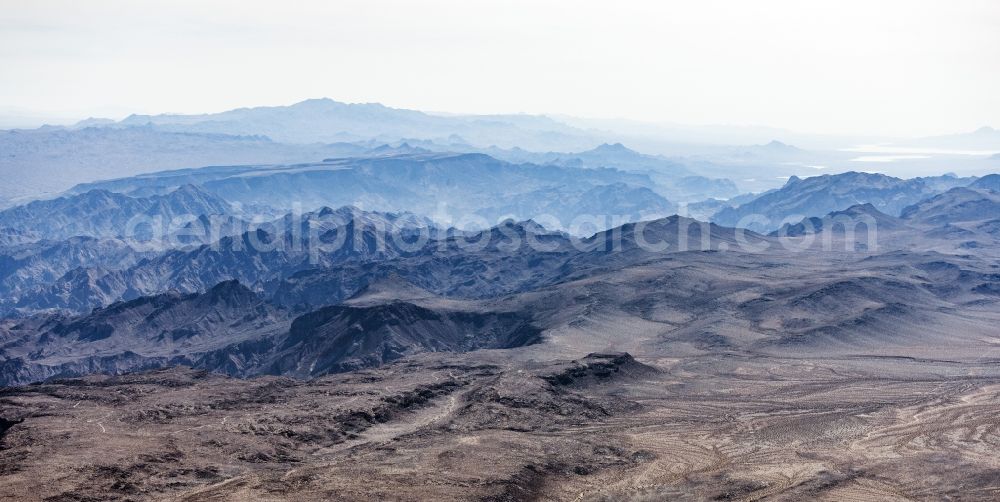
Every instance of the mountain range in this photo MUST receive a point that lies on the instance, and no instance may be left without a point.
(820, 195)
(100, 213)
(984, 139)
(332, 301)
(325, 121)
(213, 224)
(372, 301)
(49, 161)
(454, 186)
(52, 159)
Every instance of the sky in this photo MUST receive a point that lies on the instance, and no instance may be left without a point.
(889, 67)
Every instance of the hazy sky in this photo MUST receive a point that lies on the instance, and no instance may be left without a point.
(901, 67)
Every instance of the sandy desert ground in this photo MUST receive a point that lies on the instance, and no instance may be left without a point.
(606, 427)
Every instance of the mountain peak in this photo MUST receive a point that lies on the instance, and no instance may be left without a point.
(866, 209)
(392, 287)
(792, 180)
(525, 226)
(612, 148)
(93, 122)
(959, 204)
(988, 182)
(778, 145)
(231, 292)
(323, 104)
(191, 189)
(316, 102)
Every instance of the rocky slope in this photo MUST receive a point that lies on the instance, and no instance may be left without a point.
(104, 214)
(821, 195)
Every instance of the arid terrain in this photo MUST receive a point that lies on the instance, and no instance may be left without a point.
(678, 376)
(445, 321)
(605, 427)
(449, 250)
